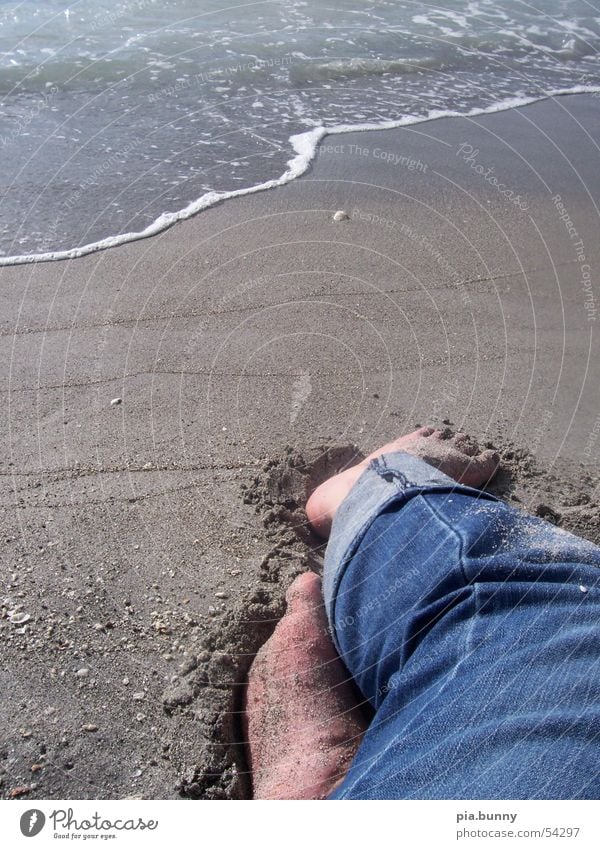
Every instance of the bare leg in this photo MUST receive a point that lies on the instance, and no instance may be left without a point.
(303, 723)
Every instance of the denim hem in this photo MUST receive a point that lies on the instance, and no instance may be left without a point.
(393, 477)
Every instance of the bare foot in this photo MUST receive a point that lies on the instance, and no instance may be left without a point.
(457, 455)
(303, 723)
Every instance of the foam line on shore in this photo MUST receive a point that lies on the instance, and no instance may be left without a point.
(305, 147)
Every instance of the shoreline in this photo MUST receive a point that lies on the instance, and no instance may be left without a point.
(305, 146)
(249, 351)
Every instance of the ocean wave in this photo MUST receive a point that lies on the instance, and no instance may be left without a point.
(304, 145)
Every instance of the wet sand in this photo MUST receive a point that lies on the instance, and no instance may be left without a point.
(147, 543)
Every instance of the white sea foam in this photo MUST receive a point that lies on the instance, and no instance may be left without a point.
(304, 146)
(133, 107)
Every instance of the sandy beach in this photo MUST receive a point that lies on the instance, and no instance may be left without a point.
(166, 405)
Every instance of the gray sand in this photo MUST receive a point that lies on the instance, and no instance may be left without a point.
(146, 545)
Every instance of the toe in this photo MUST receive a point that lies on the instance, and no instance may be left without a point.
(481, 468)
(465, 444)
(305, 589)
(490, 460)
(423, 431)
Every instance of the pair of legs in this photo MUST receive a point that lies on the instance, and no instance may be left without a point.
(469, 629)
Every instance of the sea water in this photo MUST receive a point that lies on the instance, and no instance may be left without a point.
(118, 118)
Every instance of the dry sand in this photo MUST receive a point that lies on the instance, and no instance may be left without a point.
(146, 545)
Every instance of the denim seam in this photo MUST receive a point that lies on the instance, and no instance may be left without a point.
(473, 595)
(455, 533)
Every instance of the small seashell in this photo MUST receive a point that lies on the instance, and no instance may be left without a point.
(19, 618)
